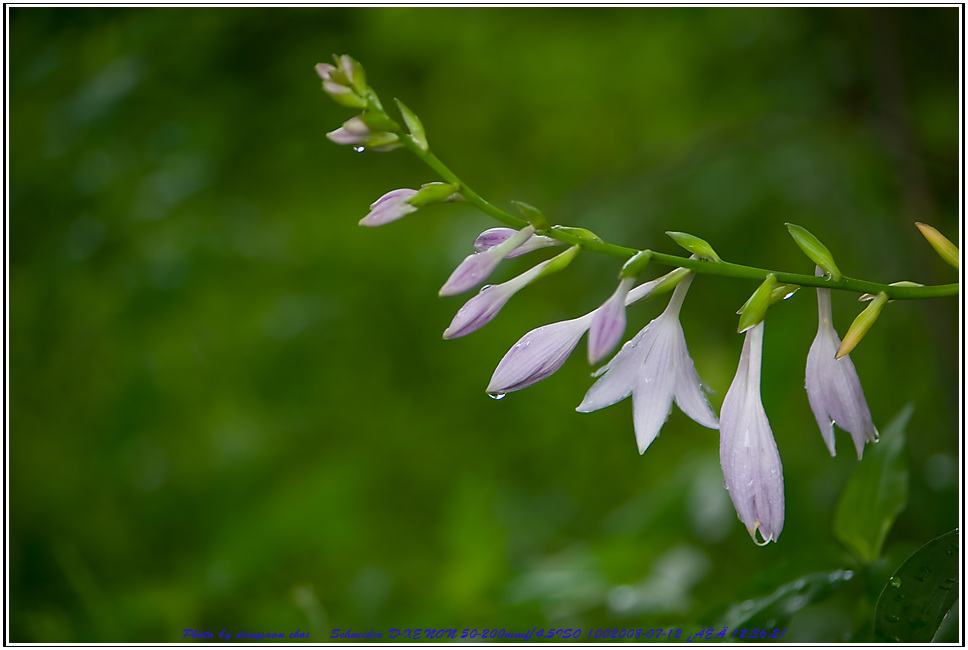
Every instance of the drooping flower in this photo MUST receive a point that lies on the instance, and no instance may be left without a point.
(391, 206)
(482, 308)
(538, 355)
(833, 387)
(494, 236)
(608, 324)
(747, 451)
(541, 352)
(656, 369)
(476, 267)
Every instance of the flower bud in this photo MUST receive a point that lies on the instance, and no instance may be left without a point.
(755, 309)
(695, 245)
(635, 264)
(494, 236)
(940, 243)
(861, 324)
(433, 193)
(815, 250)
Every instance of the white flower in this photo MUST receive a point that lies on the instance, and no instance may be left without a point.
(391, 206)
(833, 388)
(655, 368)
(542, 351)
(747, 451)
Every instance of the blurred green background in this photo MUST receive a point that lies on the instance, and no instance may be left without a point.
(231, 407)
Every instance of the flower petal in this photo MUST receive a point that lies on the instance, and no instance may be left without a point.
(537, 355)
(391, 206)
(751, 462)
(608, 323)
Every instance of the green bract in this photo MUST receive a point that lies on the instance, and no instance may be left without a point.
(815, 250)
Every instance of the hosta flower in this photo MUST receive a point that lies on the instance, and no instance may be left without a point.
(538, 355)
(482, 308)
(491, 238)
(608, 324)
(355, 132)
(747, 451)
(391, 206)
(655, 368)
(476, 267)
(833, 388)
(542, 351)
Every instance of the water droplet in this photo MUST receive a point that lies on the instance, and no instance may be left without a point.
(359, 149)
(895, 582)
(497, 395)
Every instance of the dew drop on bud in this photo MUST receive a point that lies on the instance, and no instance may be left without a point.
(359, 149)
(497, 395)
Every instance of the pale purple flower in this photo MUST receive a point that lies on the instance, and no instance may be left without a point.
(482, 308)
(537, 355)
(391, 206)
(490, 238)
(656, 369)
(747, 450)
(608, 324)
(355, 132)
(476, 267)
(542, 351)
(833, 388)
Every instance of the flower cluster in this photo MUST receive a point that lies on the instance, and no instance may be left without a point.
(653, 367)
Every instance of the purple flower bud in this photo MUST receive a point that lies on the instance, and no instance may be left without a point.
(608, 324)
(656, 369)
(747, 451)
(833, 388)
(482, 308)
(490, 238)
(389, 207)
(537, 355)
(478, 266)
(324, 70)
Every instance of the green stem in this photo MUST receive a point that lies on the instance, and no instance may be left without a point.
(726, 269)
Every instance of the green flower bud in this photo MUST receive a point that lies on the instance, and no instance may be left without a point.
(940, 243)
(754, 311)
(861, 324)
(815, 250)
(635, 264)
(433, 193)
(578, 233)
(559, 262)
(695, 245)
(378, 121)
(534, 216)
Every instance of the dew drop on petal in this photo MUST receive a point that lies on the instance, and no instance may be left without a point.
(359, 149)
(497, 395)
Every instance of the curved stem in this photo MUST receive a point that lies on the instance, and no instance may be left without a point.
(727, 269)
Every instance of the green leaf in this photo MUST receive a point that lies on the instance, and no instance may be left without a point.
(876, 493)
(918, 603)
(776, 609)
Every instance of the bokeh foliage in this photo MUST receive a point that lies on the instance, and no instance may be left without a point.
(230, 407)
